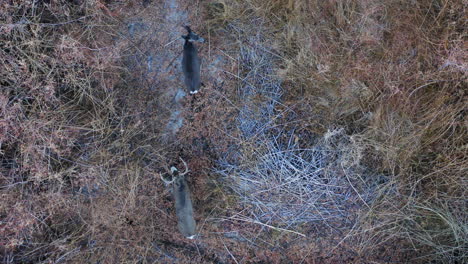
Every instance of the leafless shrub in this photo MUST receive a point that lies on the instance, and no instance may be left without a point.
(260, 88)
(278, 180)
(363, 66)
(285, 184)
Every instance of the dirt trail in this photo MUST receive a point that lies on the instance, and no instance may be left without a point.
(155, 32)
(175, 121)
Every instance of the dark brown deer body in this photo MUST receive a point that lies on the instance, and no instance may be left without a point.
(191, 62)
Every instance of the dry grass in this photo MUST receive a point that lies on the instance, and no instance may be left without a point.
(66, 142)
(391, 74)
(336, 135)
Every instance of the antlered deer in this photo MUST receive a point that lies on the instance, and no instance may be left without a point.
(183, 203)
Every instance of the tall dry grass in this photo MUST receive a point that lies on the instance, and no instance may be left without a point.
(364, 99)
(80, 139)
(63, 134)
(392, 74)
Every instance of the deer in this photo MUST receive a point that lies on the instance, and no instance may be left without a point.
(191, 62)
(183, 204)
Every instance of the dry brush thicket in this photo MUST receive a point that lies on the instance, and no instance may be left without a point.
(284, 183)
(391, 77)
(61, 132)
(343, 133)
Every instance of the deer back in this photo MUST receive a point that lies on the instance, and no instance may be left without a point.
(183, 206)
(191, 62)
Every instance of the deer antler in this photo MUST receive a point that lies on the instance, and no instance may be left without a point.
(170, 172)
(174, 172)
(166, 181)
(186, 167)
